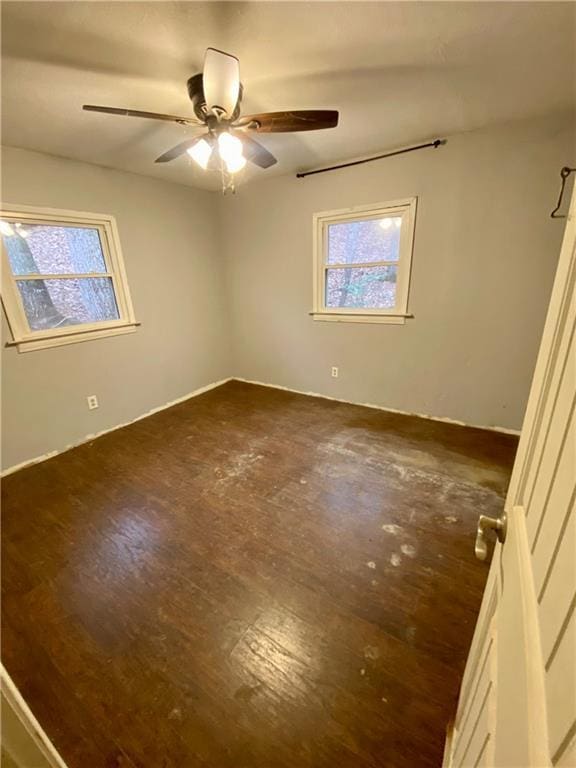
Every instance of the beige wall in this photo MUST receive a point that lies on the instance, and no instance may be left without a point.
(484, 259)
(169, 236)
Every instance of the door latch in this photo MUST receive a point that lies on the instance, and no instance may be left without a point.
(485, 524)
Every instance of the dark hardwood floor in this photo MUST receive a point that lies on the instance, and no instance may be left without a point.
(250, 579)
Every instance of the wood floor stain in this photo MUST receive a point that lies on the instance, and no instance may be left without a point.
(250, 579)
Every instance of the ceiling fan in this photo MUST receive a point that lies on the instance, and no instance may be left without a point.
(224, 142)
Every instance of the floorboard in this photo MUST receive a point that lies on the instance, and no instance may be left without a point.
(250, 579)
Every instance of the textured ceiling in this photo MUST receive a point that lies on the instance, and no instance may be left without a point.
(397, 71)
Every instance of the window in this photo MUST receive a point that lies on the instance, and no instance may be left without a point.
(362, 262)
(63, 277)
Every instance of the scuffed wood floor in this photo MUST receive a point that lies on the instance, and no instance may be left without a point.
(251, 579)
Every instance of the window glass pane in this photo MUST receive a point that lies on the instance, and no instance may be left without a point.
(52, 250)
(362, 287)
(360, 242)
(68, 301)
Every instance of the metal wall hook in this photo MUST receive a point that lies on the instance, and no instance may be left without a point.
(564, 173)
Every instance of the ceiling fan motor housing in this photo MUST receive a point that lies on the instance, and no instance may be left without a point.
(196, 93)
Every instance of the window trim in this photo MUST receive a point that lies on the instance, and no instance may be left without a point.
(406, 207)
(23, 336)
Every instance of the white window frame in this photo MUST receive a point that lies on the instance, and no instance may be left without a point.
(406, 209)
(26, 339)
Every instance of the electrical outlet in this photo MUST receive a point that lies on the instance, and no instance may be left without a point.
(92, 402)
(334, 372)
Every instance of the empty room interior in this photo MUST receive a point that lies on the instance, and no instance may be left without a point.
(288, 384)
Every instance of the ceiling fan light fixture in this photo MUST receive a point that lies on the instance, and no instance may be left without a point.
(230, 150)
(201, 153)
(235, 164)
(229, 146)
(221, 82)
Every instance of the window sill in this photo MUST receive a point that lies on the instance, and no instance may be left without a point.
(343, 317)
(31, 344)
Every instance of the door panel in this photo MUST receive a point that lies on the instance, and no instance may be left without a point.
(473, 736)
(557, 413)
(558, 589)
(477, 724)
(559, 495)
(520, 728)
(517, 707)
(561, 692)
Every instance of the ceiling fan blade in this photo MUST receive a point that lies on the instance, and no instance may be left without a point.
(287, 122)
(178, 150)
(221, 81)
(255, 152)
(139, 113)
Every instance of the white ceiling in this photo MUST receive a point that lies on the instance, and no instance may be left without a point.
(398, 72)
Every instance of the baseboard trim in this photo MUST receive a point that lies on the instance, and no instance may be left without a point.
(89, 438)
(30, 724)
(444, 419)
(213, 385)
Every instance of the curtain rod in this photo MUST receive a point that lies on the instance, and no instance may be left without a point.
(436, 143)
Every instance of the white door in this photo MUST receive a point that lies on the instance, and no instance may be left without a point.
(517, 706)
